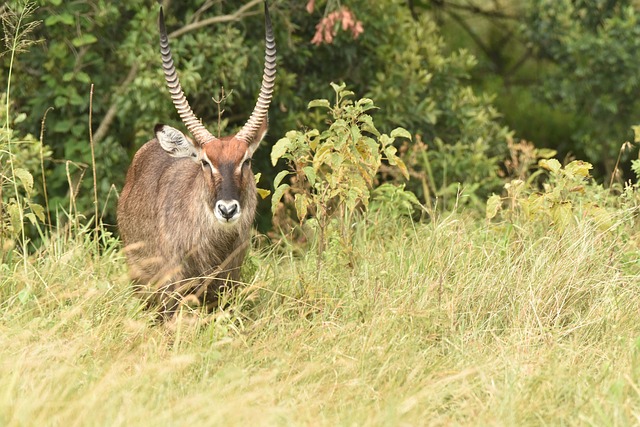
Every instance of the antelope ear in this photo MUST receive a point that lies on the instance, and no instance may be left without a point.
(259, 136)
(175, 142)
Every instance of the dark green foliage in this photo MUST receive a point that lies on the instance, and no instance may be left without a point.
(595, 47)
(397, 61)
(565, 73)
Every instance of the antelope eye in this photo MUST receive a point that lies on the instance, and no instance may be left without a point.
(204, 163)
(247, 162)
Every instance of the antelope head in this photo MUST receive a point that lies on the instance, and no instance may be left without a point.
(225, 161)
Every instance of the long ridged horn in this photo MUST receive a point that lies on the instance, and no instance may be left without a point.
(193, 124)
(259, 115)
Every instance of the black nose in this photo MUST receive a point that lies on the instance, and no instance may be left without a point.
(227, 212)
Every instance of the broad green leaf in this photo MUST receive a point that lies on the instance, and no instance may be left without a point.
(77, 100)
(277, 195)
(263, 193)
(65, 18)
(390, 151)
(14, 217)
(38, 210)
(312, 138)
(301, 202)
(410, 197)
(355, 134)
(366, 124)
(385, 140)
(562, 214)
(551, 165)
(20, 118)
(31, 217)
(371, 144)
(400, 133)
(84, 40)
(278, 179)
(338, 87)
(336, 160)
(60, 101)
(321, 154)
(545, 153)
(310, 173)
(339, 126)
(279, 149)
(24, 295)
(25, 177)
(319, 103)
(346, 94)
(579, 168)
(353, 196)
(366, 104)
(83, 77)
(604, 219)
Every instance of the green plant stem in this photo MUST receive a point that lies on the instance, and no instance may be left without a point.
(44, 179)
(13, 50)
(615, 168)
(93, 168)
(427, 183)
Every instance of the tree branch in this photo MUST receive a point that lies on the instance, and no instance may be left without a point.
(475, 9)
(476, 38)
(495, 13)
(519, 63)
(235, 16)
(103, 128)
(412, 9)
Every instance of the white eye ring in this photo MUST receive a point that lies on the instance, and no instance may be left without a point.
(205, 163)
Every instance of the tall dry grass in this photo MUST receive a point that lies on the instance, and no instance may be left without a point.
(453, 322)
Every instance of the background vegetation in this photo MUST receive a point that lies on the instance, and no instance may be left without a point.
(453, 235)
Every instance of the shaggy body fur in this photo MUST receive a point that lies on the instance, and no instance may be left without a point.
(175, 246)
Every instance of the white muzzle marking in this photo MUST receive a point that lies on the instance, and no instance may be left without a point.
(227, 211)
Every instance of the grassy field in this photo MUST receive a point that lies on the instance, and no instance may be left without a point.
(530, 318)
(452, 322)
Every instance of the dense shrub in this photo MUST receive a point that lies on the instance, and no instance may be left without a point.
(399, 62)
(595, 49)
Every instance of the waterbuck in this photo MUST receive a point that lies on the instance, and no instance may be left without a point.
(187, 207)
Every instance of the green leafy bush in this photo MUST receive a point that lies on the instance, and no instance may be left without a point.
(593, 47)
(20, 155)
(566, 197)
(567, 200)
(334, 170)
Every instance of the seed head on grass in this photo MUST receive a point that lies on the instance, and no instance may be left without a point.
(18, 34)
